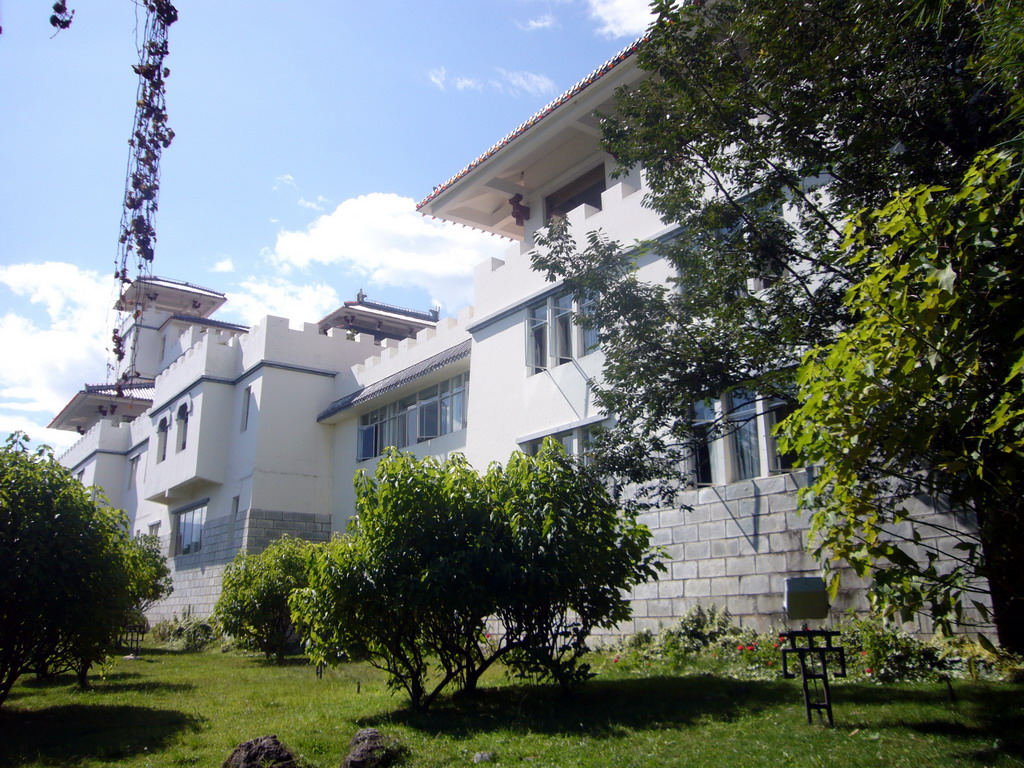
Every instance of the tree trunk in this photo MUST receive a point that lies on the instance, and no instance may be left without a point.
(1002, 538)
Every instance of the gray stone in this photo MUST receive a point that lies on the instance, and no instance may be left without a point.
(370, 748)
(264, 752)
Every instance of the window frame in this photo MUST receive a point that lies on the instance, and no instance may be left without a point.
(553, 335)
(414, 418)
(738, 444)
(190, 520)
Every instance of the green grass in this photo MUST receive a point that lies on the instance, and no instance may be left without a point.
(177, 709)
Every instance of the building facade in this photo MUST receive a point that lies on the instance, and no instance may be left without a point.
(220, 438)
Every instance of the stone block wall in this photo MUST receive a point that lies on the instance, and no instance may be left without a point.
(197, 577)
(734, 547)
(737, 544)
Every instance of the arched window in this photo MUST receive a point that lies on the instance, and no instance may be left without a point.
(161, 440)
(182, 427)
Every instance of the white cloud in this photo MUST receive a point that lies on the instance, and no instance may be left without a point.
(314, 205)
(258, 297)
(52, 353)
(528, 82)
(621, 18)
(224, 265)
(468, 84)
(381, 238)
(541, 22)
(438, 76)
(285, 180)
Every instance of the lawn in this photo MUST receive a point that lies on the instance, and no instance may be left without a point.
(178, 709)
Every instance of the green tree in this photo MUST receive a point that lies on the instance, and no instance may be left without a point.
(567, 554)
(151, 577)
(924, 396)
(253, 604)
(410, 586)
(762, 128)
(65, 582)
(437, 549)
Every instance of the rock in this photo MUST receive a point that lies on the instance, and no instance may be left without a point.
(264, 752)
(372, 749)
(484, 757)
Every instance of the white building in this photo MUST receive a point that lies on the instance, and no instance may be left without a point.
(221, 437)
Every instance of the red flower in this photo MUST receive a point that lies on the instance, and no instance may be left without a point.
(775, 645)
(751, 647)
(615, 660)
(868, 671)
(739, 647)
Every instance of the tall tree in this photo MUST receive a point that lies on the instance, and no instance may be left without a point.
(763, 128)
(66, 584)
(924, 396)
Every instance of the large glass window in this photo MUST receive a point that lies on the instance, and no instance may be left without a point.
(431, 412)
(744, 433)
(188, 530)
(732, 438)
(553, 338)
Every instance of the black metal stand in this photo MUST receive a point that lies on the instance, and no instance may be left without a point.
(132, 636)
(807, 652)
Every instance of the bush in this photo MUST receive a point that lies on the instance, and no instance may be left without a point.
(151, 578)
(66, 587)
(883, 652)
(187, 633)
(436, 549)
(253, 604)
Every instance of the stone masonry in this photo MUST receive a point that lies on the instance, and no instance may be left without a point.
(197, 577)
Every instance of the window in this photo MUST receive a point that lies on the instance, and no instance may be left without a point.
(576, 442)
(246, 402)
(537, 354)
(562, 328)
(745, 434)
(133, 471)
(431, 412)
(588, 336)
(776, 411)
(161, 440)
(704, 418)
(732, 438)
(188, 530)
(553, 338)
(585, 189)
(182, 427)
(154, 529)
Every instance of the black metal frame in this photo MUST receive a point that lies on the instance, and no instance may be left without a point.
(805, 654)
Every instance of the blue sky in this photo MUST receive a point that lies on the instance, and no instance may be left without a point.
(306, 131)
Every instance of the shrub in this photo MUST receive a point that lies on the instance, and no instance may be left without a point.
(65, 583)
(436, 549)
(886, 653)
(253, 604)
(187, 633)
(151, 578)
(698, 629)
